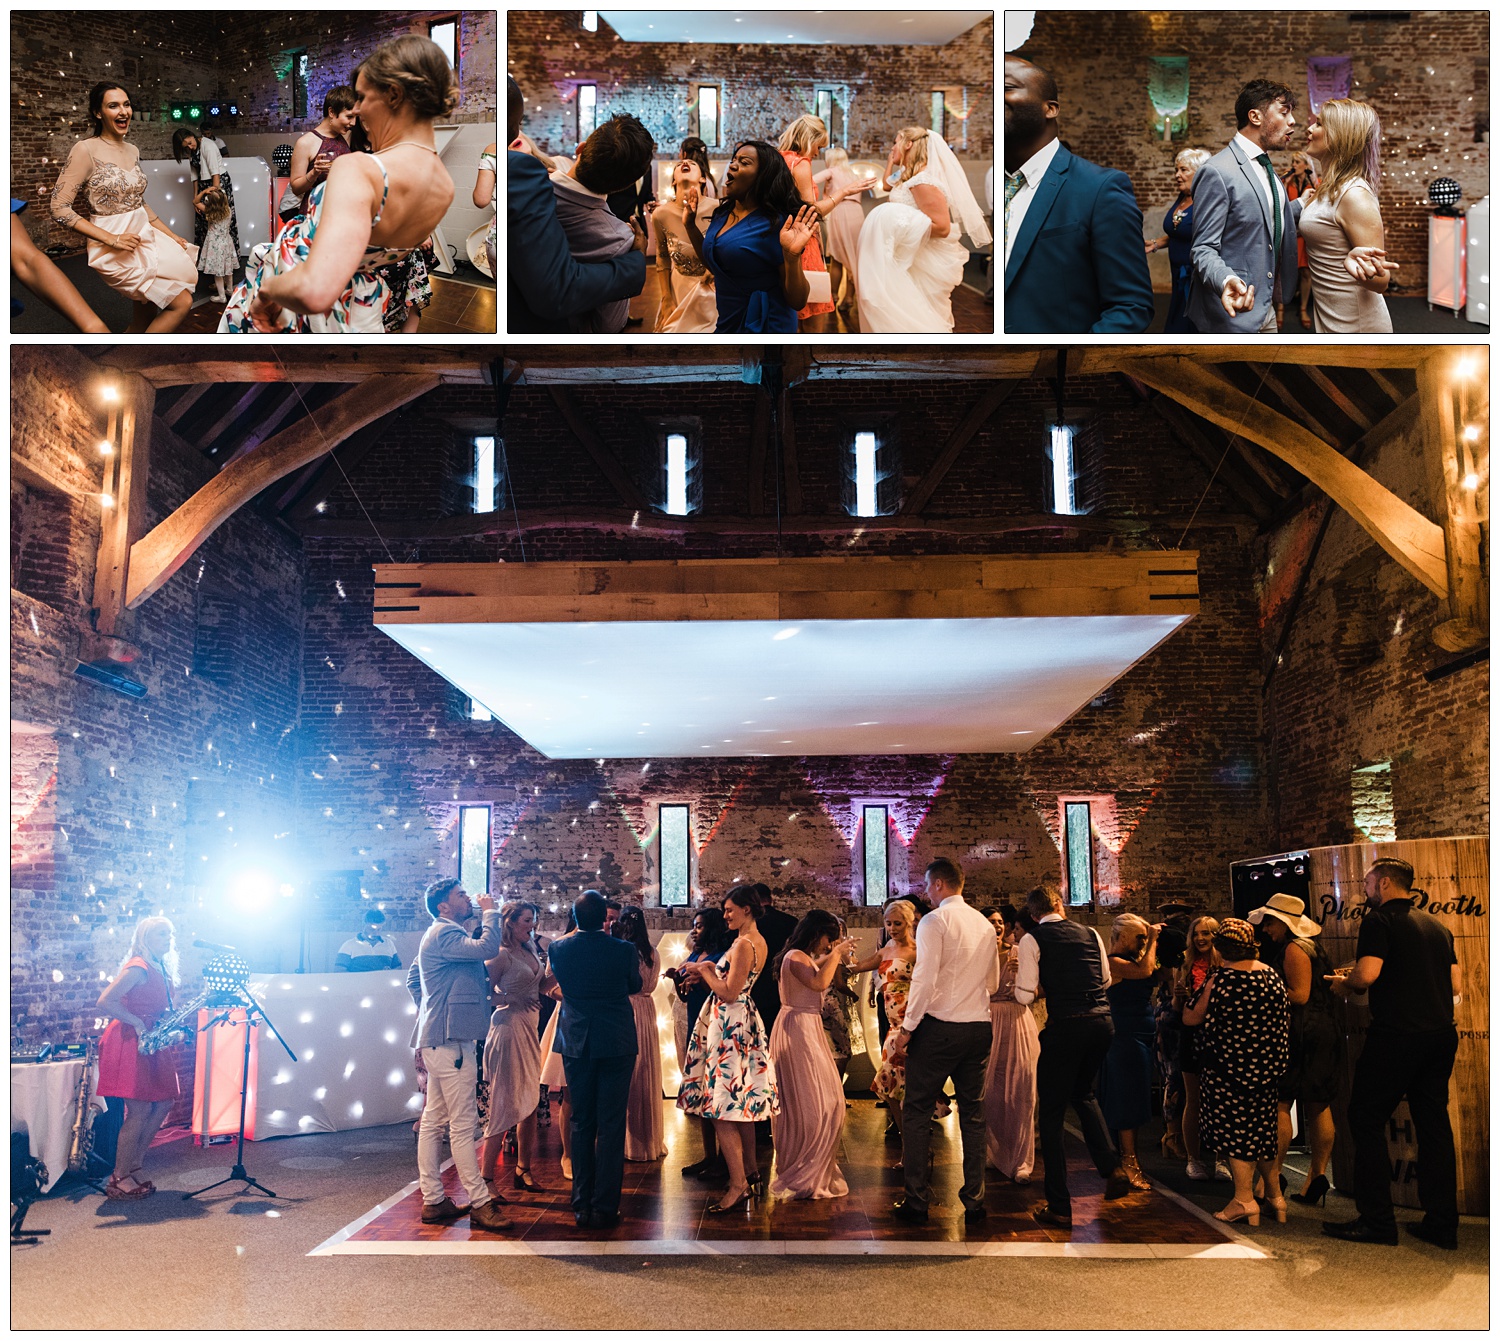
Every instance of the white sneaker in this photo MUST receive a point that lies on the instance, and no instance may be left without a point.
(1198, 1171)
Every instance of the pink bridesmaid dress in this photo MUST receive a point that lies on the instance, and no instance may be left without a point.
(645, 1127)
(1010, 1081)
(808, 1129)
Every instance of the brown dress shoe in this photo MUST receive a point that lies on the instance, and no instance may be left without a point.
(488, 1217)
(443, 1212)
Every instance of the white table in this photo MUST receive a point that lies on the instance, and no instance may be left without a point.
(42, 1104)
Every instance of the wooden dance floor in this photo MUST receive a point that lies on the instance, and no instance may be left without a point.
(665, 1213)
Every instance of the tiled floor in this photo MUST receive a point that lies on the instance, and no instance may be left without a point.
(666, 1213)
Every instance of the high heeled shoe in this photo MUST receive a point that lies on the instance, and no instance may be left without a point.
(757, 1185)
(725, 1203)
(1277, 1207)
(522, 1179)
(1316, 1194)
(1249, 1217)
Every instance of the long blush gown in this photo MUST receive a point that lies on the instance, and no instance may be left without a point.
(645, 1128)
(1010, 1081)
(808, 1129)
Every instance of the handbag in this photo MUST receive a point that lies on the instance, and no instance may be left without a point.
(819, 286)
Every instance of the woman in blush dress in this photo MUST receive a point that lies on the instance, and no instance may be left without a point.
(130, 249)
(1010, 1081)
(844, 223)
(910, 258)
(1340, 222)
(512, 1052)
(893, 964)
(729, 1076)
(645, 1127)
(1198, 963)
(1177, 238)
(810, 1125)
(1125, 1077)
(688, 305)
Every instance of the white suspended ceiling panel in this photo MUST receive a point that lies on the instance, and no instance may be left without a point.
(709, 658)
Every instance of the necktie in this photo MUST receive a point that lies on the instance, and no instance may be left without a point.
(1013, 184)
(1265, 161)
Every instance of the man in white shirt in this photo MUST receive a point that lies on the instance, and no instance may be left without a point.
(369, 951)
(946, 1034)
(1244, 227)
(1069, 964)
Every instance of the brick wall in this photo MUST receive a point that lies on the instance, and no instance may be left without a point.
(1350, 690)
(763, 87)
(240, 58)
(1427, 76)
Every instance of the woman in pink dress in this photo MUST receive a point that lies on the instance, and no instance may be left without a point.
(810, 1125)
(1010, 1081)
(139, 996)
(645, 1127)
(844, 224)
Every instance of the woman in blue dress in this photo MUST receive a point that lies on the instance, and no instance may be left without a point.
(1177, 238)
(755, 241)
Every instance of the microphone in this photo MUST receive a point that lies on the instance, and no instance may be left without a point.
(213, 945)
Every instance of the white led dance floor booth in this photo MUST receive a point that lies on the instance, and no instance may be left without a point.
(169, 192)
(791, 656)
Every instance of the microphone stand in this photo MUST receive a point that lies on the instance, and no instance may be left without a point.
(253, 1012)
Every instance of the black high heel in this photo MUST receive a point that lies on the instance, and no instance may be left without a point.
(758, 1187)
(720, 1206)
(522, 1179)
(696, 1170)
(1316, 1194)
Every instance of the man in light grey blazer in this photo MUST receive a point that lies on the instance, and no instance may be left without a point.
(1244, 227)
(449, 984)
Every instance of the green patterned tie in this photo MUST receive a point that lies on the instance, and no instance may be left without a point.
(1013, 184)
(1265, 161)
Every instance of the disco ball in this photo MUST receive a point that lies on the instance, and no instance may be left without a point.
(1445, 193)
(226, 973)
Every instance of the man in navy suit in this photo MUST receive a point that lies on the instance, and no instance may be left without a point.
(1075, 255)
(596, 1038)
(547, 288)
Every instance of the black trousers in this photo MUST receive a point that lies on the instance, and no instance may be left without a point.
(598, 1088)
(1416, 1066)
(938, 1050)
(1066, 1073)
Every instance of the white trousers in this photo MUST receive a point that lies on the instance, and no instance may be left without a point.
(452, 1102)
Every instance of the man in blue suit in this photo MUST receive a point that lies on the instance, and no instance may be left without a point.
(596, 1038)
(1075, 253)
(1244, 227)
(547, 288)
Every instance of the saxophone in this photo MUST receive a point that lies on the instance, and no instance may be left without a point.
(176, 1026)
(83, 1120)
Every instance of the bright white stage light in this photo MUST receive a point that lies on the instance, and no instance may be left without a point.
(250, 891)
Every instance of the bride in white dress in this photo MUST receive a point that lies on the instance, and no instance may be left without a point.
(910, 258)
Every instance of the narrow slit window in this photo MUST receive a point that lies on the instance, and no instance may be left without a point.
(876, 854)
(299, 85)
(939, 109)
(1060, 453)
(677, 474)
(865, 448)
(444, 32)
(708, 114)
(1079, 852)
(588, 110)
(474, 849)
(591, 20)
(675, 855)
(484, 474)
(478, 712)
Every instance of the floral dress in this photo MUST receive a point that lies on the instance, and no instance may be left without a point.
(895, 983)
(363, 306)
(729, 1074)
(488, 163)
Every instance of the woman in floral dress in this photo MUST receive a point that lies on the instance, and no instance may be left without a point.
(374, 210)
(729, 1076)
(893, 963)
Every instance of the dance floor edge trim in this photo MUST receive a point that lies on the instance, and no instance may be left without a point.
(341, 1245)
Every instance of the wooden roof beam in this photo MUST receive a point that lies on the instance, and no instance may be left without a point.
(978, 416)
(598, 452)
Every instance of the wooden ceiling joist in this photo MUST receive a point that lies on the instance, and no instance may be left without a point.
(599, 452)
(1345, 404)
(165, 365)
(1413, 541)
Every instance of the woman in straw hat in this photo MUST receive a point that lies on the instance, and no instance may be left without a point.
(1315, 1042)
(1243, 1051)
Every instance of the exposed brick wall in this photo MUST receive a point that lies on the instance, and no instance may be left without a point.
(1350, 690)
(764, 87)
(163, 57)
(1428, 77)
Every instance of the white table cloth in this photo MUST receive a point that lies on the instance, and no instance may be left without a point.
(42, 1104)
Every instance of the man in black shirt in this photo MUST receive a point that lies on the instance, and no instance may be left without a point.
(1405, 959)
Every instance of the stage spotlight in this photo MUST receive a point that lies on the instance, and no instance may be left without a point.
(251, 890)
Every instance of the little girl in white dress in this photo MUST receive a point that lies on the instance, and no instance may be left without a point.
(217, 255)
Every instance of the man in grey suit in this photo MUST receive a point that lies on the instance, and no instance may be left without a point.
(1244, 227)
(448, 982)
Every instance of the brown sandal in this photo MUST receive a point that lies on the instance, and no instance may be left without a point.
(116, 1190)
(141, 1182)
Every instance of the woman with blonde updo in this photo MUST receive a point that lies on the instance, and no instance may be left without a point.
(893, 963)
(799, 142)
(373, 210)
(910, 258)
(139, 996)
(844, 223)
(1177, 238)
(1340, 222)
